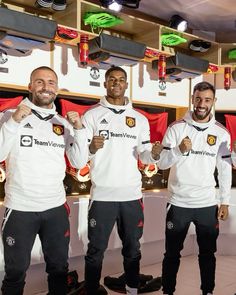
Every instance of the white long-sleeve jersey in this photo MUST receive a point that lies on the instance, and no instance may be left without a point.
(191, 180)
(114, 170)
(34, 152)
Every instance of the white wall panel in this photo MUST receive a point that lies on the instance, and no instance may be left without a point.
(145, 87)
(20, 67)
(74, 78)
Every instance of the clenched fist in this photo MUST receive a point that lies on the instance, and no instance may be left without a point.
(185, 145)
(22, 111)
(96, 144)
(223, 212)
(156, 150)
(74, 119)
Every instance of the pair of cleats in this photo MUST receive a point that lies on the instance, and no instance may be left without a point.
(57, 5)
(200, 46)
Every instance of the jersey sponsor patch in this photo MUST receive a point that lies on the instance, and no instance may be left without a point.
(104, 133)
(211, 139)
(58, 129)
(130, 121)
(26, 140)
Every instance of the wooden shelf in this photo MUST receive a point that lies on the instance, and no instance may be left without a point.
(136, 28)
(133, 28)
(77, 95)
(212, 55)
(225, 61)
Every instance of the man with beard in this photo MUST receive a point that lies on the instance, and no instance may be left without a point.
(118, 135)
(33, 142)
(192, 148)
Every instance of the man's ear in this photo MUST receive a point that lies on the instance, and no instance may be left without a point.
(29, 87)
(192, 99)
(105, 84)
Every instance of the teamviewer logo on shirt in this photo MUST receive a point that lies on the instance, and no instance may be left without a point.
(26, 140)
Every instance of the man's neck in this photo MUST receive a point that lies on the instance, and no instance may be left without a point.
(116, 101)
(206, 120)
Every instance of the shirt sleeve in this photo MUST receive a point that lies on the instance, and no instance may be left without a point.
(8, 132)
(87, 122)
(171, 153)
(77, 147)
(233, 158)
(144, 148)
(224, 167)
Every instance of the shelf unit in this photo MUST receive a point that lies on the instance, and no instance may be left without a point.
(134, 28)
(138, 28)
(212, 55)
(225, 61)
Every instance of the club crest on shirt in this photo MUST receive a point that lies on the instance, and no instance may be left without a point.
(130, 121)
(58, 129)
(211, 139)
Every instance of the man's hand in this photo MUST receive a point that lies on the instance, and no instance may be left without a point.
(185, 145)
(22, 111)
(157, 147)
(96, 144)
(74, 119)
(223, 212)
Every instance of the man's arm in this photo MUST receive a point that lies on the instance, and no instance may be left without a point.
(224, 168)
(77, 149)
(172, 151)
(9, 124)
(147, 152)
(233, 155)
(95, 142)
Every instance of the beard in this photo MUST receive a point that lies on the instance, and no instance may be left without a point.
(41, 101)
(201, 115)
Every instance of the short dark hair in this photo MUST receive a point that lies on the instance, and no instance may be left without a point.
(114, 68)
(201, 86)
(42, 68)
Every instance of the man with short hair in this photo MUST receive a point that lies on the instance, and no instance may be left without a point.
(193, 148)
(118, 135)
(33, 142)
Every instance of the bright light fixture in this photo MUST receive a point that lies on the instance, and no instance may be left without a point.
(116, 5)
(178, 23)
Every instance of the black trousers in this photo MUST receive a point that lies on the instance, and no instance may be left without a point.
(101, 219)
(207, 230)
(19, 230)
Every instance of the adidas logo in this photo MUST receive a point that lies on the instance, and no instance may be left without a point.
(28, 125)
(104, 121)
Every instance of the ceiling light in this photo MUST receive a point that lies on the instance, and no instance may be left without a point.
(178, 23)
(116, 5)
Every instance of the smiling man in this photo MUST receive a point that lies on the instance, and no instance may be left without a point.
(33, 142)
(193, 148)
(118, 135)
